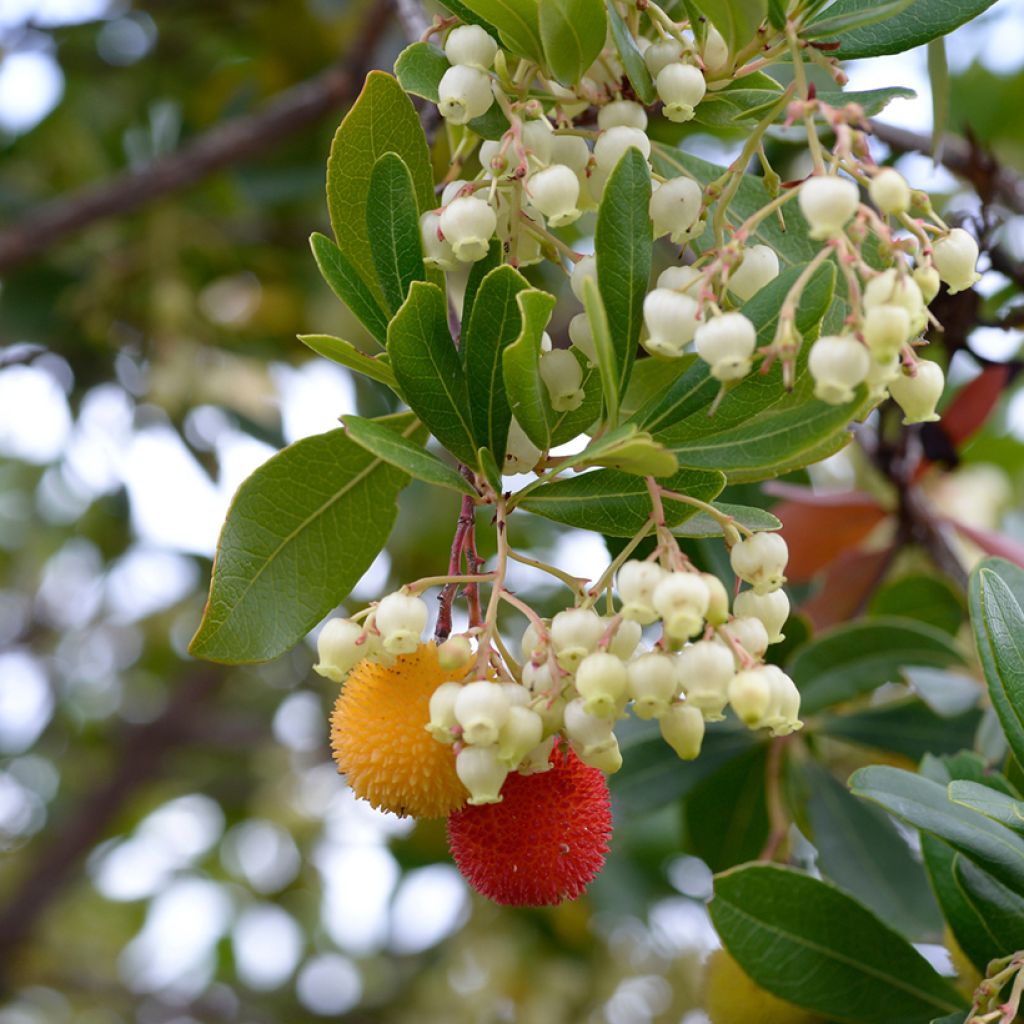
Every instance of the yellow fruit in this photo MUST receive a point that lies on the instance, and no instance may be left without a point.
(380, 742)
(732, 997)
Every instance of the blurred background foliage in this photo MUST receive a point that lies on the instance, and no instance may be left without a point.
(175, 844)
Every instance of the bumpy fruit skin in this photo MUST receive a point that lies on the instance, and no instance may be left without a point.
(380, 740)
(544, 843)
(732, 997)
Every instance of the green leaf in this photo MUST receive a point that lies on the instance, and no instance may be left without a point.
(623, 243)
(990, 802)
(419, 69)
(346, 282)
(300, 532)
(927, 599)
(346, 354)
(571, 423)
(429, 370)
(860, 850)
(737, 20)
(946, 693)
(493, 326)
(777, 13)
(617, 504)
(631, 57)
(705, 525)
(852, 660)
(489, 467)
(604, 347)
(517, 22)
(527, 395)
(925, 805)
(753, 104)
(650, 379)
(725, 816)
(466, 13)
(405, 454)
(860, 17)
(919, 23)
(999, 632)
(938, 77)
(811, 944)
(382, 120)
(573, 34)
(904, 727)
(477, 272)
(628, 449)
(393, 224)
(1001, 909)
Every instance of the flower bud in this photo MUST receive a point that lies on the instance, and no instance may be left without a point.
(838, 363)
(771, 609)
(491, 158)
(671, 321)
(588, 733)
(521, 454)
(750, 633)
(552, 714)
(521, 732)
(555, 192)
(704, 670)
(681, 599)
(581, 271)
(760, 266)
(582, 336)
(889, 191)
(624, 643)
(563, 377)
(531, 643)
(401, 619)
(726, 343)
(436, 250)
(918, 394)
(463, 94)
(718, 606)
(659, 55)
(682, 728)
(681, 279)
(454, 653)
(716, 51)
(468, 224)
(539, 142)
(451, 191)
(782, 716)
(442, 712)
(601, 680)
(575, 633)
(607, 759)
(472, 45)
(636, 582)
(622, 113)
(828, 202)
(750, 694)
(680, 88)
(956, 258)
(675, 208)
(481, 772)
(928, 280)
(481, 708)
(539, 759)
(519, 696)
(611, 146)
(572, 151)
(538, 678)
(340, 648)
(652, 684)
(886, 327)
(761, 560)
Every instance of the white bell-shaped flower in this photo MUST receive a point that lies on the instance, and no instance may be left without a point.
(539, 142)
(436, 250)
(401, 619)
(442, 712)
(681, 279)
(538, 677)
(472, 45)
(675, 208)
(928, 280)
(892, 288)
(680, 88)
(918, 394)
(480, 771)
(886, 328)
(782, 716)
(750, 695)
(761, 560)
(563, 377)
(726, 343)
(636, 582)
(671, 321)
(582, 270)
(552, 714)
(681, 599)
(760, 266)
(601, 680)
(704, 670)
(612, 145)
(622, 113)
(828, 203)
(771, 609)
(464, 93)
(652, 684)
(626, 638)
(682, 728)
(454, 652)
(608, 759)
(481, 708)
(572, 151)
(838, 363)
(555, 191)
(575, 633)
(750, 633)
(662, 53)
(956, 259)
(468, 223)
(889, 191)
(538, 760)
(589, 733)
(521, 454)
(718, 606)
(340, 647)
(519, 695)
(880, 376)
(521, 732)
(716, 51)
(531, 643)
(582, 336)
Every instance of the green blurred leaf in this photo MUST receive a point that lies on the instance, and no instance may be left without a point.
(905, 727)
(392, 221)
(300, 532)
(851, 660)
(1001, 910)
(859, 16)
(527, 395)
(705, 525)
(988, 801)
(408, 456)
(517, 22)
(737, 20)
(938, 77)
(430, 371)
(813, 945)
(346, 282)
(346, 354)
(946, 693)
(928, 599)
(573, 34)
(631, 57)
(382, 120)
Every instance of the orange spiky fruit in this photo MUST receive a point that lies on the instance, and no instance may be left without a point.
(380, 742)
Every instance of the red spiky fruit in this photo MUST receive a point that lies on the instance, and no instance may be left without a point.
(544, 843)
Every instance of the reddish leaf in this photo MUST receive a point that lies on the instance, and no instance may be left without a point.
(808, 496)
(974, 403)
(848, 584)
(992, 543)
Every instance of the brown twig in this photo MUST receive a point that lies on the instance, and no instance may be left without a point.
(222, 146)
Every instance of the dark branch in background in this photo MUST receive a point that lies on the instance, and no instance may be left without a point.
(413, 20)
(222, 146)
